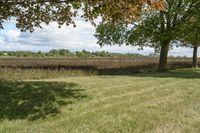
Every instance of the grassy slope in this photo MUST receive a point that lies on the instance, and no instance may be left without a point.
(153, 103)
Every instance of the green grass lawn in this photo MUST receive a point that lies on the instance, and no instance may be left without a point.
(141, 103)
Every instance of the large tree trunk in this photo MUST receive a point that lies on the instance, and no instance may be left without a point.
(163, 57)
(195, 59)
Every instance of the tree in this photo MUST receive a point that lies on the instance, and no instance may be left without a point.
(190, 36)
(32, 13)
(156, 29)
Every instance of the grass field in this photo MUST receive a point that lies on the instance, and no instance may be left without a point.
(141, 103)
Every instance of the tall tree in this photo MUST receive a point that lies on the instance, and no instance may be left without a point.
(32, 13)
(156, 29)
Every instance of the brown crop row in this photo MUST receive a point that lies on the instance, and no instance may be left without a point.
(98, 63)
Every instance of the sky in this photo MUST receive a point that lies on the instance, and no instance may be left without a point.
(73, 39)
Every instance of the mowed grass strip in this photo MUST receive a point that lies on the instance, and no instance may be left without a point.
(151, 103)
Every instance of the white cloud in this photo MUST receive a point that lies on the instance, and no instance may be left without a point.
(12, 36)
(182, 51)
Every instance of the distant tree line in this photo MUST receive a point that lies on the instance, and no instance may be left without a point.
(66, 53)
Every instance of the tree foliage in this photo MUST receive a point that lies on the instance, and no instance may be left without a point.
(32, 13)
(154, 28)
(190, 32)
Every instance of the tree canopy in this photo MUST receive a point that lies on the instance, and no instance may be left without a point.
(190, 32)
(32, 13)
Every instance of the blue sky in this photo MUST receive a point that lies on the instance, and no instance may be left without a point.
(74, 39)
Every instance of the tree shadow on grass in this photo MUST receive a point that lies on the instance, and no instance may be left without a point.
(36, 100)
(151, 71)
(181, 73)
